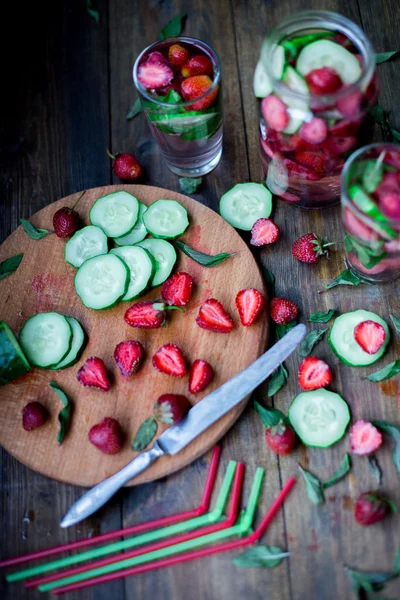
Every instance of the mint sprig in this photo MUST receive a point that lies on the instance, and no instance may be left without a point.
(189, 185)
(136, 110)
(270, 417)
(396, 323)
(347, 277)
(206, 260)
(277, 380)
(311, 340)
(322, 317)
(341, 472)
(381, 57)
(64, 416)
(394, 432)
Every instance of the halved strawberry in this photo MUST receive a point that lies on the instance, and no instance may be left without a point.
(249, 304)
(300, 171)
(350, 105)
(178, 55)
(263, 232)
(129, 356)
(213, 316)
(339, 145)
(345, 127)
(314, 160)
(364, 438)
(315, 131)
(155, 72)
(201, 375)
(177, 290)
(392, 158)
(389, 202)
(147, 315)
(356, 227)
(94, 374)
(275, 113)
(200, 64)
(370, 336)
(267, 147)
(324, 80)
(314, 373)
(194, 87)
(169, 359)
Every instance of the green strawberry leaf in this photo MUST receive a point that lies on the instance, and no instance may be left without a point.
(311, 340)
(135, 110)
(206, 260)
(282, 329)
(386, 373)
(144, 434)
(10, 265)
(271, 417)
(64, 416)
(260, 556)
(396, 323)
(375, 468)
(174, 27)
(277, 380)
(92, 11)
(34, 232)
(320, 317)
(189, 185)
(342, 470)
(381, 57)
(345, 278)
(314, 489)
(394, 432)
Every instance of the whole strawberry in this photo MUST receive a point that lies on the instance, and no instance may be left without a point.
(283, 310)
(65, 222)
(309, 247)
(171, 408)
(281, 438)
(126, 166)
(107, 436)
(34, 415)
(370, 508)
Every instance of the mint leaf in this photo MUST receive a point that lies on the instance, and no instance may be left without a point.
(314, 487)
(277, 380)
(395, 134)
(174, 27)
(345, 278)
(381, 57)
(144, 434)
(396, 323)
(269, 279)
(282, 330)
(92, 11)
(368, 582)
(386, 373)
(394, 432)
(34, 232)
(270, 416)
(206, 260)
(320, 317)
(379, 115)
(342, 470)
(260, 556)
(373, 173)
(135, 110)
(64, 416)
(189, 185)
(10, 265)
(375, 468)
(311, 340)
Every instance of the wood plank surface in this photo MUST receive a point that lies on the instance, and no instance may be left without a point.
(59, 105)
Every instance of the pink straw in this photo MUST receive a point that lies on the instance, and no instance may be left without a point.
(161, 522)
(166, 562)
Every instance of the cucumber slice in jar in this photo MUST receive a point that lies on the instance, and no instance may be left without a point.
(116, 214)
(262, 83)
(141, 269)
(137, 234)
(180, 123)
(84, 244)
(77, 345)
(325, 53)
(164, 255)
(244, 204)
(342, 341)
(46, 339)
(166, 219)
(13, 362)
(102, 281)
(298, 109)
(319, 417)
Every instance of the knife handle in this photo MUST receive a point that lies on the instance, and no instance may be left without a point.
(102, 492)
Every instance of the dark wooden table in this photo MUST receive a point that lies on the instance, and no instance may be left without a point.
(67, 87)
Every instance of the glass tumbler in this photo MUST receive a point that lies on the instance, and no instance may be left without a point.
(371, 212)
(316, 81)
(179, 84)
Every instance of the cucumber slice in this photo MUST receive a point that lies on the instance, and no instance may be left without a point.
(180, 123)
(325, 53)
(299, 110)
(166, 219)
(164, 255)
(342, 341)
(101, 281)
(46, 339)
(262, 83)
(77, 345)
(13, 362)
(369, 207)
(116, 214)
(319, 417)
(85, 243)
(244, 204)
(141, 269)
(137, 234)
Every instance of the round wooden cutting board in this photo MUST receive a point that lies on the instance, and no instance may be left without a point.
(44, 282)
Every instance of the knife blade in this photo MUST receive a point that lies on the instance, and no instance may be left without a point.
(198, 419)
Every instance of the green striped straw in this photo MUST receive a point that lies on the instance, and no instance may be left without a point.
(242, 527)
(207, 519)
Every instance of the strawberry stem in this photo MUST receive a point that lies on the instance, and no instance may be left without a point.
(173, 307)
(81, 196)
(110, 155)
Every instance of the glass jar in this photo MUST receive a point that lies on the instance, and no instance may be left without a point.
(371, 212)
(316, 80)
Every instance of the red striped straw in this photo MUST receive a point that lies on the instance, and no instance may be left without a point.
(170, 520)
(173, 560)
(228, 522)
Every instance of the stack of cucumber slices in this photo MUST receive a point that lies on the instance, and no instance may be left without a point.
(106, 277)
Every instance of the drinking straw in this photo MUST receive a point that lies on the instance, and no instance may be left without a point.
(228, 522)
(247, 541)
(211, 517)
(155, 523)
(242, 527)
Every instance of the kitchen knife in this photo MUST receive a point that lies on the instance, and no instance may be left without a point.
(198, 419)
